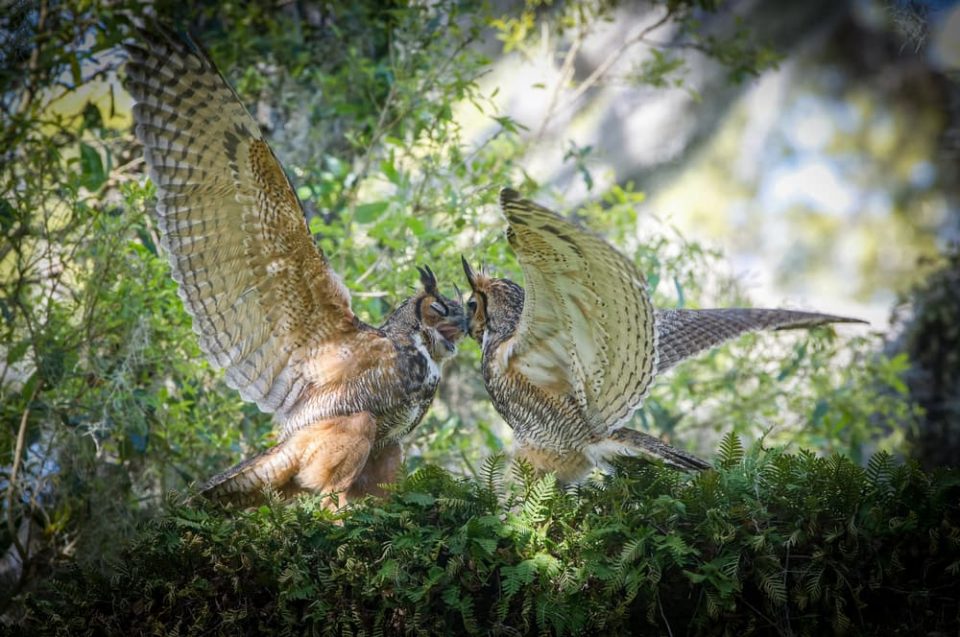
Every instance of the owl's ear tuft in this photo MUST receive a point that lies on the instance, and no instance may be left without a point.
(471, 275)
(428, 280)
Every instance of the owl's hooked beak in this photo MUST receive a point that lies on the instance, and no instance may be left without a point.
(464, 323)
(451, 333)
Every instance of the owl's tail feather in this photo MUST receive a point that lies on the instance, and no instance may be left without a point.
(243, 484)
(630, 442)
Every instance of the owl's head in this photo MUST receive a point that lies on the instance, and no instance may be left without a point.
(494, 306)
(439, 319)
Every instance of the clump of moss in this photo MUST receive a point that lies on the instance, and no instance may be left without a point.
(768, 543)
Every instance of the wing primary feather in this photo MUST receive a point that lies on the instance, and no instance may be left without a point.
(587, 315)
(231, 223)
(685, 333)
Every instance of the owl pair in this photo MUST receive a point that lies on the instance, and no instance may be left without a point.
(566, 361)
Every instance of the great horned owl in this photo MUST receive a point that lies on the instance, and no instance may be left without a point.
(266, 305)
(568, 359)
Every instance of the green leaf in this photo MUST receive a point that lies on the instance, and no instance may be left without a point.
(423, 499)
(390, 171)
(7, 215)
(368, 212)
(75, 70)
(417, 226)
(819, 411)
(92, 175)
(653, 280)
(91, 116)
(15, 354)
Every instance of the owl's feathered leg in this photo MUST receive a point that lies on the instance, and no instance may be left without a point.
(571, 466)
(683, 333)
(633, 443)
(325, 457)
(381, 468)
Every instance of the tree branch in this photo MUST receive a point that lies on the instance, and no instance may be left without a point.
(12, 485)
(614, 57)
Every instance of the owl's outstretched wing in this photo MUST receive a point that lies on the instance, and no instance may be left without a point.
(587, 326)
(684, 333)
(261, 295)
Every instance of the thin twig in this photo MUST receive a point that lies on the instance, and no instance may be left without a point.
(762, 615)
(612, 59)
(379, 130)
(373, 266)
(663, 615)
(383, 126)
(12, 484)
(566, 72)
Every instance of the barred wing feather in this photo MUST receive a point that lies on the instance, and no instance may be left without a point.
(684, 333)
(261, 295)
(587, 323)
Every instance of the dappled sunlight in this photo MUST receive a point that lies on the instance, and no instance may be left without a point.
(841, 206)
(820, 185)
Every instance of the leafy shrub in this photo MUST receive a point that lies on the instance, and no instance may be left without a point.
(768, 543)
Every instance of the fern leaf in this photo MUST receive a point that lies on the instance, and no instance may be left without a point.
(731, 450)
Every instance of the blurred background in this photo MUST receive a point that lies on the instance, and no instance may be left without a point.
(751, 152)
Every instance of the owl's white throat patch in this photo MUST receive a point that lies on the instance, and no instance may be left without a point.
(433, 369)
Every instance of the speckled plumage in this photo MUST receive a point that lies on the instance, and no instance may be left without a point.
(266, 305)
(570, 357)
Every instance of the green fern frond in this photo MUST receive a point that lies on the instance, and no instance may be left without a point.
(632, 550)
(773, 584)
(804, 536)
(491, 472)
(513, 578)
(731, 450)
(535, 506)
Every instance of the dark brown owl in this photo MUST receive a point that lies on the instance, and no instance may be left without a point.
(568, 359)
(266, 305)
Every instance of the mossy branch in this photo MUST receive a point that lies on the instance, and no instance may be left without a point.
(770, 543)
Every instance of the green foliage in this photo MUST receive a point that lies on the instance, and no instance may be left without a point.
(739, 53)
(771, 543)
